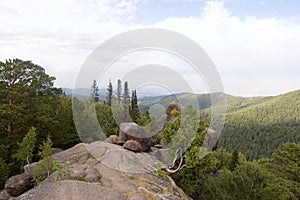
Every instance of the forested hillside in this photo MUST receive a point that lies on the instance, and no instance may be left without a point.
(254, 125)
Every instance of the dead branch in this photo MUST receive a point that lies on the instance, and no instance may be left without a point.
(170, 169)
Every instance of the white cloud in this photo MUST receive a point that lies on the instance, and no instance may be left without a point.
(253, 55)
(59, 35)
(246, 52)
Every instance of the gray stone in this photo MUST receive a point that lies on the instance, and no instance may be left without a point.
(114, 139)
(56, 150)
(131, 131)
(4, 195)
(124, 175)
(92, 175)
(28, 169)
(70, 189)
(17, 185)
(161, 154)
(133, 145)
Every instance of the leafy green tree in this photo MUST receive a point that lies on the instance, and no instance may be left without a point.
(134, 109)
(20, 82)
(95, 91)
(26, 148)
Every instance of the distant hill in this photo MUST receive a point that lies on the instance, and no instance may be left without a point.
(255, 126)
(82, 93)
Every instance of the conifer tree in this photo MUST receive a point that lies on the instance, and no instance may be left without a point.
(109, 97)
(95, 91)
(134, 109)
(26, 147)
(119, 91)
(126, 97)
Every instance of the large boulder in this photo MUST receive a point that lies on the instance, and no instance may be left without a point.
(71, 189)
(132, 131)
(17, 185)
(124, 175)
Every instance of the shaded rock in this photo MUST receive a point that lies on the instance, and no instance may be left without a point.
(131, 131)
(212, 139)
(133, 146)
(4, 195)
(28, 169)
(17, 185)
(173, 106)
(114, 139)
(161, 154)
(158, 146)
(56, 150)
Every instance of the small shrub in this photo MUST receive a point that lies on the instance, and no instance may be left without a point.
(4, 171)
(160, 172)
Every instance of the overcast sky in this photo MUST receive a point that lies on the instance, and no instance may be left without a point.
(254, 44)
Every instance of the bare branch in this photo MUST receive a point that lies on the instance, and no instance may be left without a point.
(170, 169)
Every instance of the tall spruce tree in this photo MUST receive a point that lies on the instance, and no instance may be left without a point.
(125, 116)
(109, 97)
(95, 91)
(119, 91)
(126, 97)
(134, 109)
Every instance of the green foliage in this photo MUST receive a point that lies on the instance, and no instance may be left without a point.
(45, 167)
(63, 170)
(4, 171)
(109, 97)
(160, 172)
(95, 91)
(144, 119)
(175, 113)
(134, 109)
(106, 118)
(257, 126)
(26, 148)
(21, 83)
(119, 91)
(287, 161)
(126, 97)
(28, 99)
(247, 181)
(48, 165)
(178, 134)
(234, 161)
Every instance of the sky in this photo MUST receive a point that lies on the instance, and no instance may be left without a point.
(254, 44)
